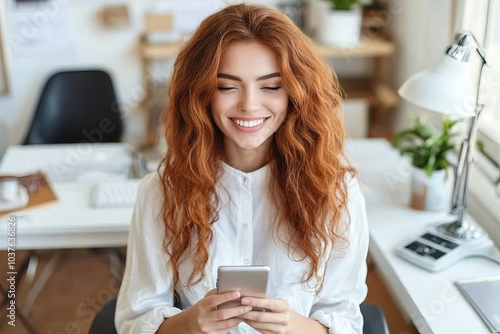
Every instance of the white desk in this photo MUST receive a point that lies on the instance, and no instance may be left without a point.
(71, 222)
(430, 299)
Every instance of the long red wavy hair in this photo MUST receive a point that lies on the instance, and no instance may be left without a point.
(307, 170)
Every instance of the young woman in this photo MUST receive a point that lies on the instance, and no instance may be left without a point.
(254, 174)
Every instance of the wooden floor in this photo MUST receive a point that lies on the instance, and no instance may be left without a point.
(82, 283)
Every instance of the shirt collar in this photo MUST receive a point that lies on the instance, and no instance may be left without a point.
(257, 176)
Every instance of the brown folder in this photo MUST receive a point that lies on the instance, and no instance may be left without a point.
(39, 190)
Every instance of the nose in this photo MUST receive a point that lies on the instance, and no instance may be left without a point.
(249, 100)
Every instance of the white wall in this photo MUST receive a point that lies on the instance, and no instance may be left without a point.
(90, 45)
(422, 30)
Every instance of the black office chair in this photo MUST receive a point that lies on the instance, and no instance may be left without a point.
(375, 323)
(374, 317)
(74, 107)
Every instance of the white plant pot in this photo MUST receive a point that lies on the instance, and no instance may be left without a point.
(430, 193)
(340, 28)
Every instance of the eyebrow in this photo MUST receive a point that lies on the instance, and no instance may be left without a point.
(235, 78)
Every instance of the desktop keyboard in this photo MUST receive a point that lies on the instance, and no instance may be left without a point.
(114, 194)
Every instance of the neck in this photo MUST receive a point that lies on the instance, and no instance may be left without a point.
(247, 160)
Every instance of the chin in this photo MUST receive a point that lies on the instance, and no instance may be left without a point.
(250, 146)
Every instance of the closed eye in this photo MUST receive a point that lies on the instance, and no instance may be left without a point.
(225, 89)
(272, 88)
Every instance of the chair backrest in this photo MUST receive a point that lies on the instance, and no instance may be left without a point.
(74, 107)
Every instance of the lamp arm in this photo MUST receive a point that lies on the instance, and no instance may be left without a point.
(461, 183)
(456, 199)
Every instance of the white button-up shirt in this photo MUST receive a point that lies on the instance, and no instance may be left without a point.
(243, 235)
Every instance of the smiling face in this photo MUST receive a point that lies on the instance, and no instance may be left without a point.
(250, 103)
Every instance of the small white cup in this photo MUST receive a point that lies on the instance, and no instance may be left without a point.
(9, 190)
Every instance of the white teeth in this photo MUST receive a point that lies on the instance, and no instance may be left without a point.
(249, 124)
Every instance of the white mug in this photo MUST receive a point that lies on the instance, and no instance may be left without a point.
(9, 190)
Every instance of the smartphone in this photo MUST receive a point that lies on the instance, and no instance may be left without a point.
(251, 281)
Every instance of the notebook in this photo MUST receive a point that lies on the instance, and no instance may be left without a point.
(484, 295)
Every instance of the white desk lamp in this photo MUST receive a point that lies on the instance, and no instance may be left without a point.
(445, 89)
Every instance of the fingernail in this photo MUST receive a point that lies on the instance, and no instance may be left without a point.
(248, 308)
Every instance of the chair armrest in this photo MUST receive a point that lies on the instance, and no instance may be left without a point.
(104, 321)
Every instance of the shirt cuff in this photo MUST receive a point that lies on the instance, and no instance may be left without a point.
(337, 322)
(149, 322)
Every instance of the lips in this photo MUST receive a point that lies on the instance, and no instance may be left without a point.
(249, 123)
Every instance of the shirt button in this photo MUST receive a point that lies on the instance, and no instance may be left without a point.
(246, 261)
(245, 226)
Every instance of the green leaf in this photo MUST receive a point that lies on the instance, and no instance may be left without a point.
(427, 146)
(428, 171)
(480, 145)
(343, 4)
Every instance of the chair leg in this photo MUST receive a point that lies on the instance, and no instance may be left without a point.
(29, 276)
(4, 304)
(38, 285)
(116, 264)
(24, 321)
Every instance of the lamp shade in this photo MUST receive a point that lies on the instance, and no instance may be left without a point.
(445, 88)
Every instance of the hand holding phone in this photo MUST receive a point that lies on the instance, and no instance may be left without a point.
(251, 281)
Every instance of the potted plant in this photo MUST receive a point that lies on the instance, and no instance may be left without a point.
(430, 151)
(340, 23)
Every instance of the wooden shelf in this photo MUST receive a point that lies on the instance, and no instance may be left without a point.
(378, 94)
(366, 48)
(381, 98)
(158, 50)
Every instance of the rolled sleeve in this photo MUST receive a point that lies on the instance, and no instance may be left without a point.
(146, 296)
(337, 305)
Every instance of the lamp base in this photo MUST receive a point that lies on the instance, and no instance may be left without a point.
(445, 244)
(461, 230)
